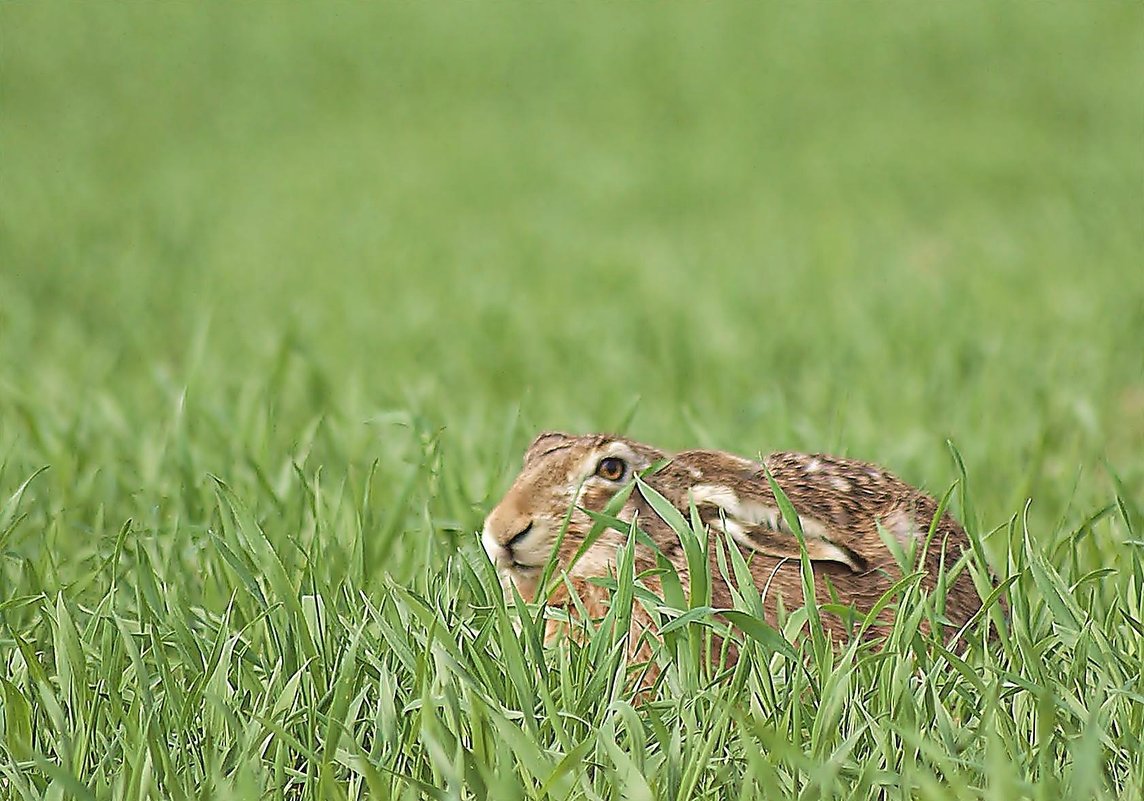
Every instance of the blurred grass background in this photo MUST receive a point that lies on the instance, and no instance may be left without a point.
(278, 243)
(843, 228)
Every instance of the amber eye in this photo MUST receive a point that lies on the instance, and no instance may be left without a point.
(611, 468)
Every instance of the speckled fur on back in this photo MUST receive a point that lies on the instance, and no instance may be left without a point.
(841, 503)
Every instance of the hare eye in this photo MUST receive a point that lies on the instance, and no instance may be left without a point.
(611, 468)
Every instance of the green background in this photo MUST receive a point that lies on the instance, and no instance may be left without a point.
(349, 258)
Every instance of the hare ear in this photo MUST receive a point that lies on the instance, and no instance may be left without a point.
(784, 544)
(546, 443)
(760, 526)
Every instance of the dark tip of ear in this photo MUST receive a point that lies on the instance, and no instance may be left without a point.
(545, 442)
(543, 435)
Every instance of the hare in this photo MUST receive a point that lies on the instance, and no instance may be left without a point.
(841, 503)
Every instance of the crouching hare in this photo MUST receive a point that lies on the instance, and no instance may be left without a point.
(841, 504)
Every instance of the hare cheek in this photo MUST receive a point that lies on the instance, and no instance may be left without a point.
(597, 561)
(595, 495)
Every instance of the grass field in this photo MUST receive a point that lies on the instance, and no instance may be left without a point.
(285, 291)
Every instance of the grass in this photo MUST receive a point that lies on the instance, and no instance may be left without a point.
(284, 293)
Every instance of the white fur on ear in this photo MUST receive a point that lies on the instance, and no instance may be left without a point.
(738, 518)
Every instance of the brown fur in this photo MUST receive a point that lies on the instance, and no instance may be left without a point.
(841, 503)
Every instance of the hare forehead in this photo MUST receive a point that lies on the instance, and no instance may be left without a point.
(538, 483)
(562, 471)
(585, 464)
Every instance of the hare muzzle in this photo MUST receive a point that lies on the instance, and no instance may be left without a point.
(513, 538)
(505, 550)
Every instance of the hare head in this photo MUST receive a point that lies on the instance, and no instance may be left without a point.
(562, 474)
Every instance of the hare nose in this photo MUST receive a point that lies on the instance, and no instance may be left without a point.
(519, 536)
